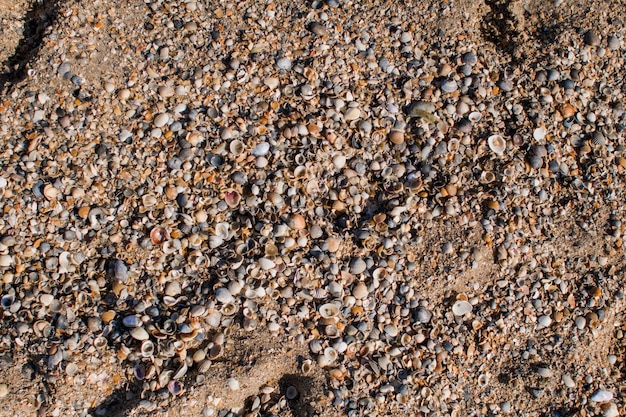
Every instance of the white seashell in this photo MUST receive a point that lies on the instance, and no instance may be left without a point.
(139, 333)
(261, 149)
(236, 147)
(602, 396)
(352, 113)
(540, 133)
(497, 144)
(266, 264)
(460, 308)
(223, 295)
(233, 384)
(329, 310)
(474, 116)
(64, 262)
(147, 349)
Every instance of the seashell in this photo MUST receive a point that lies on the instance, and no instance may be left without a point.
(170, 301)
(149, 200)
(132, 321)
(169, 327)
(50, 192)
(230, 309)
(175, 387)
(158, 235)
(396, 137)
(601, 396)
(475, 116)
(266, 264)
(147, 349)
(306, 367)
(352, 113)
(139, 333)
(540, 133)
(140, 372)
(329, 310)
(181, 372)
(449, 86)
(7, 300)
(64, 262)
(497, 144)
(204, 366)
(483, 380)
(236, 147)
(461, 307)
(261, 149)
(165, 377)
(360, 291)
(296, 222)
(223, 295)
(100, 342)
(232, 198)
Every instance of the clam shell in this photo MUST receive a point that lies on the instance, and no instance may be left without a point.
(232, 198)
(139, 333)
(461, 307)
(147, 349)
(158, 235)
(329, 310)
(497, 144)
(131, 321)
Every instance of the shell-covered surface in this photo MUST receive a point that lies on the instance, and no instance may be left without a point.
(312, 208)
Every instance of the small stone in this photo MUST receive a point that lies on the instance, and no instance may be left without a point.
(469, 58)
(318, 29)
(568, 381)
(601, 396)
(4, 390)
(613, 42)
(544, 372)
(591, 38)
(283, 63)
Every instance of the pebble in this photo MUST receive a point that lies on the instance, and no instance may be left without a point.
(591, 38)
(601, 396)
(568, 381)
(283, 63)
(318, 29)
(4, 390)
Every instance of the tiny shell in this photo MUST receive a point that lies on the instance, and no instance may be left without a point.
(461, 308)
(540, 133)
(232, 198)
(474, 116)
(497, 144)
(147, 349)
(396, 136)
(50, 192)
(158, 235)
(131, 321)
(139, 333)
(296, 222)
(352, 113)
(329, 310)
(360, 291)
